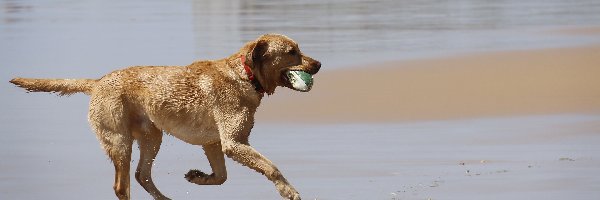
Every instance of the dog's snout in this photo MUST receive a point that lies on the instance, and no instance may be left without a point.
(316, 66)
(311, 65)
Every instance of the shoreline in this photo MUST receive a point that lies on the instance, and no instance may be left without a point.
(491, 84)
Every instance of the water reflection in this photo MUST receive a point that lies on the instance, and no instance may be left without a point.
(363, 28)
(87, 39)
(13, 10)
(342, 32)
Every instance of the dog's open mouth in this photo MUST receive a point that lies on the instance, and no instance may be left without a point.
(298, 80)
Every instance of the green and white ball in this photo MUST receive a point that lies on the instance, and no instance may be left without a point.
(300, 80)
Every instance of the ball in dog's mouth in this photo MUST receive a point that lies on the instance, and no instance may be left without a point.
(300, 80)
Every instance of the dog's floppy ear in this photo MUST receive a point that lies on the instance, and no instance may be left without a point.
(257, 53)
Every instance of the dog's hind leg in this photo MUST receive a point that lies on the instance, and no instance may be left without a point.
(149, 140)
(215, 156)
(122, 162)
(107, 119)
(118, 148)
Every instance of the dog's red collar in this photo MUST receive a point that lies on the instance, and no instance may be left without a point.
(251, 77)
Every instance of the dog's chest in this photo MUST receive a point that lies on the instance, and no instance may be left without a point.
(198, 131)
(186, 109)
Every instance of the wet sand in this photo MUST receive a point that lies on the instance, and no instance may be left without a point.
(508, 125)
(549, 81)
(534, 157)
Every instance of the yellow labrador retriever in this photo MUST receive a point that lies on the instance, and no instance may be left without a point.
(208, 103)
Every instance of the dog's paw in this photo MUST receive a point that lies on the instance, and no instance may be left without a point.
(201, 178)
(195, 174)
(288, 192)
(293, 196)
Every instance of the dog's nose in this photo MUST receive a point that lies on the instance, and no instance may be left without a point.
(316, 66)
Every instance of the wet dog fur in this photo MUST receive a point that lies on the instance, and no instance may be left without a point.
(207, 103)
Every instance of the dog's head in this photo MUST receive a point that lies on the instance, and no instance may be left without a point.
(276, 60)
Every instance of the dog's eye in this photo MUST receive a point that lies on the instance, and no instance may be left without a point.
(293, 52)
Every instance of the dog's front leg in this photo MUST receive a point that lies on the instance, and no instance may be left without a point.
(234, 141)
(248, 156)
(214, 153)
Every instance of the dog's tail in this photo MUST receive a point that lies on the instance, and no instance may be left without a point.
(60, 86)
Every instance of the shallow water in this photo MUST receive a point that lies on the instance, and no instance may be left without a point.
(535, 157)
(47, 150)
(105, 35)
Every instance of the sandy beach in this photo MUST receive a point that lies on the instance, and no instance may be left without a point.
(524, 82)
